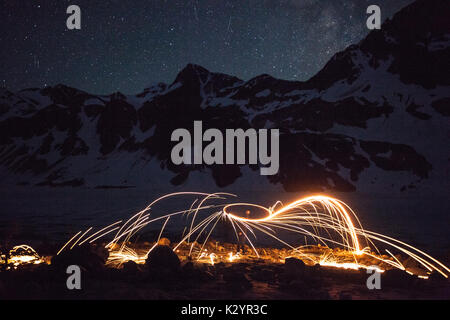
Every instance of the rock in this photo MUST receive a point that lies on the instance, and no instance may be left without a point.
(130, 267)
(294, 268)
(162, 259)
(92, 258)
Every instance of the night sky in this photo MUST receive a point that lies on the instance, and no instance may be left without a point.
(129, 45)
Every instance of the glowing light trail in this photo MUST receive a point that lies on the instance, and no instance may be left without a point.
(329, 222)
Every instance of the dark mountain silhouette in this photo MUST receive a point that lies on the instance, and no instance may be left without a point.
(376, 114)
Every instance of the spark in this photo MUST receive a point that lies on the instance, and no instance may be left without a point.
(212, 256)
(340, 240)
(232, 257)
(65, 245)
(23, 254)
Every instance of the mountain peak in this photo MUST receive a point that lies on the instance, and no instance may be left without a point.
(195, 67)
(192, 72)
(197, 76)
(414, 42)
(421, 18)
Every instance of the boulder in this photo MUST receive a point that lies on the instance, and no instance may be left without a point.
(162, 259)
(130, 267)
(294, 268)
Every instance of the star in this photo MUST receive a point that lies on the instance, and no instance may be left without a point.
(154, 40)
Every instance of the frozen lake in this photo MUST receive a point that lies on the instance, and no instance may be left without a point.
(30, 214)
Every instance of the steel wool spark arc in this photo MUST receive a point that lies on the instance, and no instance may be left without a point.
(317, 229)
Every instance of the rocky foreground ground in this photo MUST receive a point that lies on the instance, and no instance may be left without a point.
(164, 276)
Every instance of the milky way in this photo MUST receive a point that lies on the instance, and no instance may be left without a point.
(128, 45)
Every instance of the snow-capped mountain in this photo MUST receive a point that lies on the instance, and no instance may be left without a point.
(376, 117)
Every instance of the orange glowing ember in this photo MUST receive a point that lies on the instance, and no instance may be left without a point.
(23, 254)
